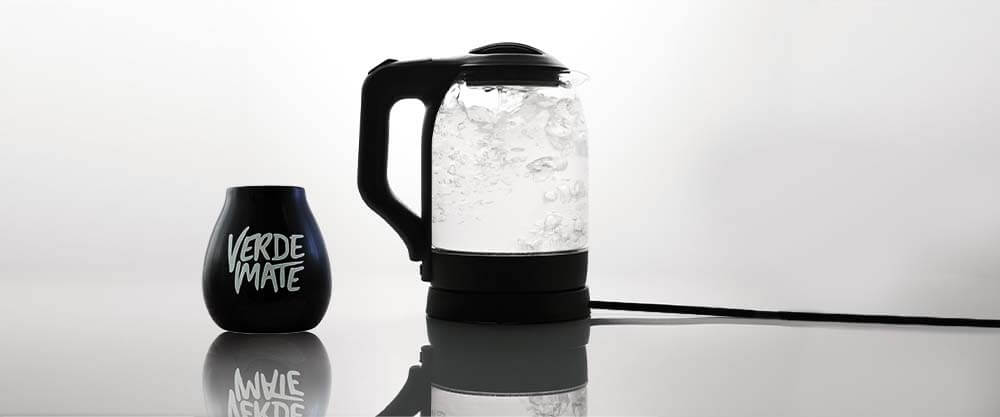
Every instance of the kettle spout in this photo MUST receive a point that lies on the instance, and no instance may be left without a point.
(573, 78)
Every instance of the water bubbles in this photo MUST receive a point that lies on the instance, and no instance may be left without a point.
(555, 232)
(545, 101)
(480, 114)
(546, 164)
(452, 97)
(491, 155)
(512, 98)
(578, 190)
(566, 129)
(564, 194)
(549, 405)
(567, 192)
(452, 123)
(552, 221)
(543, 168)
(566, 109)
(508, 167)
(529, 245)
(515, 159)
(438, 214)
(558, 128)
(534, 126)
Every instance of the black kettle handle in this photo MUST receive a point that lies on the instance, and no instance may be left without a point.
(428, 81)
(413, 398)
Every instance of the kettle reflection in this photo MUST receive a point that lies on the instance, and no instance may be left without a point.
(275, 375)
(498, 370)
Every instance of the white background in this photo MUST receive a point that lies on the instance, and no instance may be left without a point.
(834, 155)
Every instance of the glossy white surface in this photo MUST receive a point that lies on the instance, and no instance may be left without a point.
(120, 347)
(824, 155)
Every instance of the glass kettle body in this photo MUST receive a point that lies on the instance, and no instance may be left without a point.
(509, 170)
(503, 233)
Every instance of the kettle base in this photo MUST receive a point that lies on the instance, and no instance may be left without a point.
(508, 308)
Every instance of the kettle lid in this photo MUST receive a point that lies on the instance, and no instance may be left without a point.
(510, 63)
(511, 54)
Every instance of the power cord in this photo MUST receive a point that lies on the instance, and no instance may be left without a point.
(795, 315)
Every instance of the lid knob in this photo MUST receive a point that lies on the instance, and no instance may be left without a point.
(506, 48)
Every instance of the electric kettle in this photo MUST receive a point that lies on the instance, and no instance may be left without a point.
(502, 235)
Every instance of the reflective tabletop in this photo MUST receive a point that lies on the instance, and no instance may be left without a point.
(72, 347)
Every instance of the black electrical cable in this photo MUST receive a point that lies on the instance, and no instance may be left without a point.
(795, 315)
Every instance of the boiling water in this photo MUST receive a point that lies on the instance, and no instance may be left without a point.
(509, 170)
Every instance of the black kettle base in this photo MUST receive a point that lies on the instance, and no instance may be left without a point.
(508, 308)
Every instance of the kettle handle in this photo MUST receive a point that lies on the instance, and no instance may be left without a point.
(428, 81)
(413, 398)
